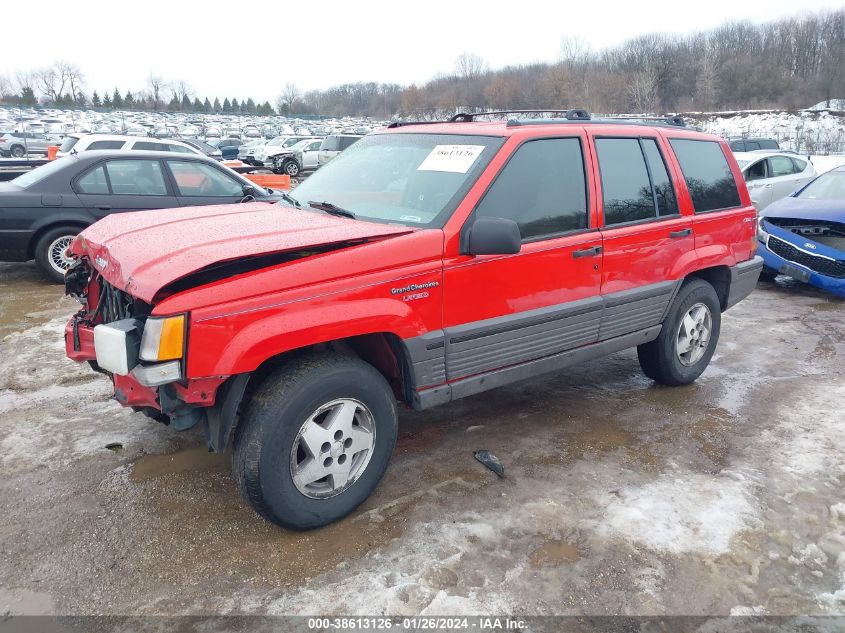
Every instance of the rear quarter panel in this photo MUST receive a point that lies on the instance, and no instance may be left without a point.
(722, 237)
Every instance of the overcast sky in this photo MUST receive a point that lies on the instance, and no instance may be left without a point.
(243, 49)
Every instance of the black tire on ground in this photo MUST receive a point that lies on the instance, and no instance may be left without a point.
(18, 151)
(269, 428)
(43, 256)
(291, 168)
(659, 358)
(768, 274)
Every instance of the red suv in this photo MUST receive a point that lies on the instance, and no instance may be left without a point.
(427, 263)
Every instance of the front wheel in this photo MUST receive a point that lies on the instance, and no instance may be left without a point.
(688, 338)
(291, 168)
(51, 252)
(315, 440)
(18, 151)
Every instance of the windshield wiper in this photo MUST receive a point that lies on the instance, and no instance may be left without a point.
(290, 199)
(333, 209)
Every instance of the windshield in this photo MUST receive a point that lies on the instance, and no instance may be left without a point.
(830, 186)
(409, 179)
(277, 141)
(40, 173)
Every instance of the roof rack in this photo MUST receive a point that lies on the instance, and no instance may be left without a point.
(573, 114)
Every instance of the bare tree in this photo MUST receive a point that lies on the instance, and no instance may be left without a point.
(49, 82)
(642, 92)
(705, 85)
(470, 66)
(288, 97)
(182, 89)
(574, 50)
(156, 84)
(70, 75)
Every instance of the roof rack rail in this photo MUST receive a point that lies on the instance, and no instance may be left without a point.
(572, 114)
(670, 119)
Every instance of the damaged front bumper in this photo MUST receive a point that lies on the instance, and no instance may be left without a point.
(184, 401)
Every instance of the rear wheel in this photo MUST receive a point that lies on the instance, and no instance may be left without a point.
(315, 440)
(688, 338)
(51, 252)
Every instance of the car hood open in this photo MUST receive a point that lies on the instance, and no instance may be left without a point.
(806, 209)
(144, 251)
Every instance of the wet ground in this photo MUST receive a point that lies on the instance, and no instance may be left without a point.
(620, 497)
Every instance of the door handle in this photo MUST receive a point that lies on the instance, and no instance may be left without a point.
(769, 186)
(587, 252)
(681, 233)
(103, 207)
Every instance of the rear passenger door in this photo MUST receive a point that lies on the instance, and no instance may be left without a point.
(644, 234)
(784, 176)
(723, 227)
(199, 183)
(503, 310)
(124, 185)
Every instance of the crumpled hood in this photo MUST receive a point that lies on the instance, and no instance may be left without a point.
(806, 209)
(144, 251)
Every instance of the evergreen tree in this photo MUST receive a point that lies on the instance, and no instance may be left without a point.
(236, 108)
(173, 106)
(217, 108)
(116, 99)
(227, 107)
(95, 100)
(106, 100)
(186, 103)
(28, 96)
(250, 106)
(206, 105)
(197, 105)
(81, 100)
(129, 100)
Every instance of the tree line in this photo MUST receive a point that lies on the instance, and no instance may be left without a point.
(789, 63)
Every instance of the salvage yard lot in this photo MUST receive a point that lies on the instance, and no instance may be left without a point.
(620, 497)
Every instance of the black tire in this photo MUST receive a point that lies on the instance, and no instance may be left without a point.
(291, 168)
(659, 358)
(18, 151)
(768, 274)
(270, 425)
(42, 251)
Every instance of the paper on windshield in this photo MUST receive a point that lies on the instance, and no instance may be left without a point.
(454, 158)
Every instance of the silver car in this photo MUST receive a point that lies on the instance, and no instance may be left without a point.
(19, 144)
(774, 175)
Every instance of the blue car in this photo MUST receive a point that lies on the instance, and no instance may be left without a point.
(803, 235)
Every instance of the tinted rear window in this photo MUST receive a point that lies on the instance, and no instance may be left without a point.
(707, 173)
(331, 144)
(68, 143)
(106, 145)
(148, 145)
(768, 144)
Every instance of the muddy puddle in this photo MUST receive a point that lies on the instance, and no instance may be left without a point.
(27, 298)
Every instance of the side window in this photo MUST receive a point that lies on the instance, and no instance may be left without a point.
(93, 182)
(625, 184)
(349, 142)
(314, 146)
(751, 145)
(136, 177)
(198, 179)
(179, 149)
(769, 144)
(150, 146)
(106, 145)
(542, 188)
(800, 165)
(757, 171)
(709, 178)
(781, 166)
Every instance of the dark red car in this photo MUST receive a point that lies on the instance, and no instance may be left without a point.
(427, 263)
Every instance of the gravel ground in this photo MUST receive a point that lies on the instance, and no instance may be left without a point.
(620, 497)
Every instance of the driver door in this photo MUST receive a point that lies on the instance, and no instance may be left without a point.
(198, 183)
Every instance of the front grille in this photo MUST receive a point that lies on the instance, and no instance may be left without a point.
(817, 263)
(114, 304)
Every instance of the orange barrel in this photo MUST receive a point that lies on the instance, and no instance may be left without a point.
(51, 152)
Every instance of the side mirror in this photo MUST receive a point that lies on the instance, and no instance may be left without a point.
(493, 236)
(249, 190)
